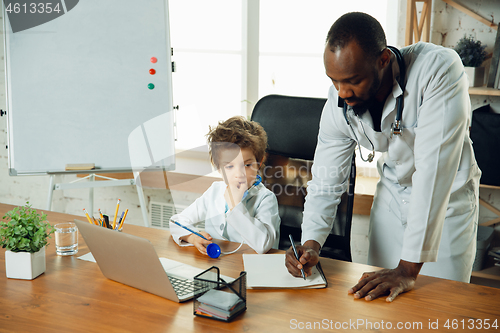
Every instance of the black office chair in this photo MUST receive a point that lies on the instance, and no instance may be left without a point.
(485, 136)
(292, 126)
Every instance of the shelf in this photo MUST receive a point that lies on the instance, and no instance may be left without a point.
(484, 91)
(491, 273)
(488, 276)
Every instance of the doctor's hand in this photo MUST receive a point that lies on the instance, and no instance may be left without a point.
(198, 242)
(387, 281)
(308, 258)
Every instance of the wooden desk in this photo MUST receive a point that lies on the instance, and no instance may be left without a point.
(73, 296)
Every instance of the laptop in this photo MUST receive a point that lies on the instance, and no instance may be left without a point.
(133, 261)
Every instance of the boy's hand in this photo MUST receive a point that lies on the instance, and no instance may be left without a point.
(200, 243)
(234, 193)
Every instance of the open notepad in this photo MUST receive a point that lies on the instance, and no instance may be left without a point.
(269, 271)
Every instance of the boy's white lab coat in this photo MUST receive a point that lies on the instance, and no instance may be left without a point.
(255, 220)
(429, 177)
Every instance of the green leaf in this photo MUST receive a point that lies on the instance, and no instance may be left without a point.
(25, 230)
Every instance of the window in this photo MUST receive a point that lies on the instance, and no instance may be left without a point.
(207, 42)
(206, 38)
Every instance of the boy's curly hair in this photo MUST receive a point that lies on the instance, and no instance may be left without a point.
(236, 131)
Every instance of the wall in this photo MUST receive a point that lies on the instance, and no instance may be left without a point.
(448, 25)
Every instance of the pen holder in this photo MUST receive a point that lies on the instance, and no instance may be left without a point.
(210, 280)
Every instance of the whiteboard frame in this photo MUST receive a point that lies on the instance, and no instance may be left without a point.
(10, 138)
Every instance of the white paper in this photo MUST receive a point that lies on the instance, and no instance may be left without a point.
(220, 299)
(269, 271)
(171, 267)
(87, 257)
(184, 270)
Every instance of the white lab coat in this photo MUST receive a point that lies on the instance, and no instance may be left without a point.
(429, 176)
(255, 220)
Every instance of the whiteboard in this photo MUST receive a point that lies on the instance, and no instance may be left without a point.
(78, 85)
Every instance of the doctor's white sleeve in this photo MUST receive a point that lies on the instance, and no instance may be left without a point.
(330, 175)
(442, 127)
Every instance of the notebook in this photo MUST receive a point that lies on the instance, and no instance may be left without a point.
(133, 261)
(269, 271)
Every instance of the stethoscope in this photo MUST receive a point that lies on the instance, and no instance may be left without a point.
(213, 249)
(396, 128)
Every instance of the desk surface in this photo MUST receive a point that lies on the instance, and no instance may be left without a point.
(73, 296)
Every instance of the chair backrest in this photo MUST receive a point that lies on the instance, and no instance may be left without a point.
(292, 126)
(485, 136)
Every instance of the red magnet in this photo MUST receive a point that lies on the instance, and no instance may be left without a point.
(152, 71)
(154, 60)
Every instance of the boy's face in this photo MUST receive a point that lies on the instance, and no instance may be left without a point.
(238, 167)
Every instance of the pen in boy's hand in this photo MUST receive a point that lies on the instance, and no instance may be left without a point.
(192, 231)
(296, 255)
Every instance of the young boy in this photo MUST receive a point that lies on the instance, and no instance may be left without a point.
(240, 208)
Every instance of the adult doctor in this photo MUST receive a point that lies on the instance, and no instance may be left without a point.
(425, 208)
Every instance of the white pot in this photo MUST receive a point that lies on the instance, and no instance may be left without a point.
(476, 76)
(24, 265)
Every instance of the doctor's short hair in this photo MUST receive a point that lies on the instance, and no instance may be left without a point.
(360, 27)
(233, 133)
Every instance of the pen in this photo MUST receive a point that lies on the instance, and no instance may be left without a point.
(192, 231)
(123, 219)
(116, 213)
(296, 255)
(106, 221)
(88, 216)
(119, 221)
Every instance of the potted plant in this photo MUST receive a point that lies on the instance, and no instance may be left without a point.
(472, 54)
(24, 235)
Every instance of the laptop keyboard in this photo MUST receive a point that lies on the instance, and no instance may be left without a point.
(183, 287)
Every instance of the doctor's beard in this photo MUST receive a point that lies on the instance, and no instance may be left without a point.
(364, 105)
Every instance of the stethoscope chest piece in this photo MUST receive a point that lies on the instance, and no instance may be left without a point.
(396, 128)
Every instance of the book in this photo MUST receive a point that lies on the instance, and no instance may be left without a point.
(495, 252)
(269, 271)
(495, 61)
(497, 80)
(81, 166)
